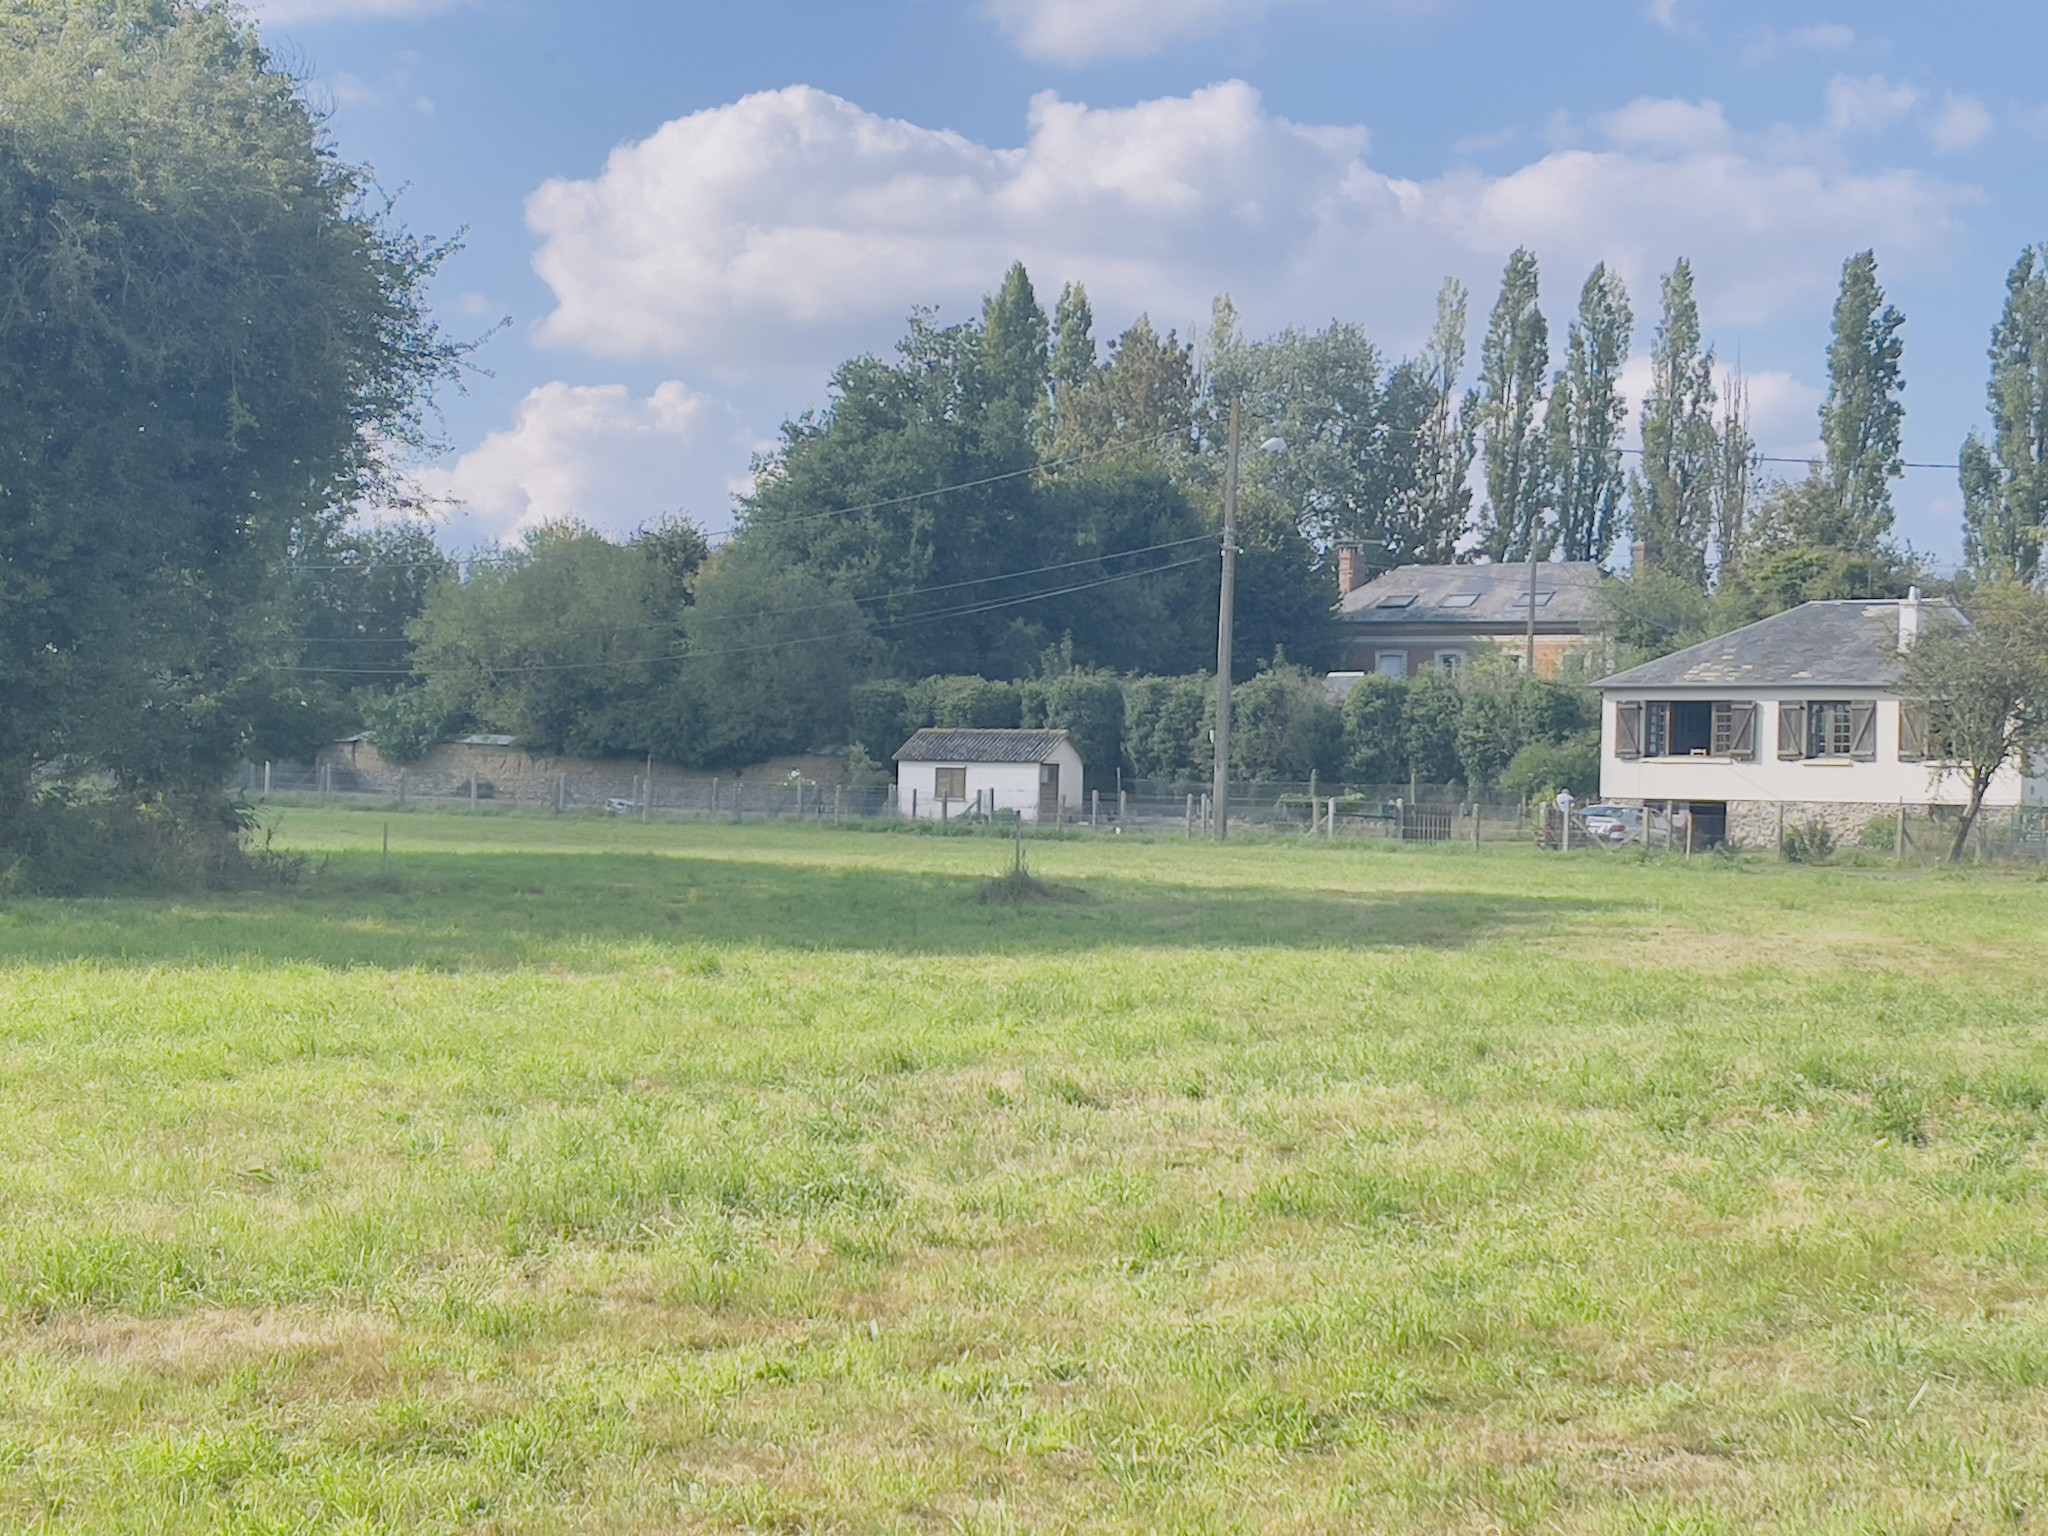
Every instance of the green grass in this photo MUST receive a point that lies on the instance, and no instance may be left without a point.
(584, 1176)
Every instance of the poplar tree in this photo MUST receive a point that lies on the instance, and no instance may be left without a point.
(1862, 414)
(1073, 346)
(1584, 420)
(1672, 498)
(1513, 360)
(2005, 482)
(1441, 497)
(1736, 480)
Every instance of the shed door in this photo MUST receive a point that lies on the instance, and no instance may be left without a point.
(1048, 791)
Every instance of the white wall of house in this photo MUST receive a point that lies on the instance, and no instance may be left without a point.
(1885, 780)
(1002, 787)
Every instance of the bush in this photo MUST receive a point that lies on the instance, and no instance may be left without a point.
(1166, 726)
(73, 840)
(1284, 727)
(882, 718)
(969, 703)
(406, 725)
(1808, 843)
(1375, 744)
(1089, 707)
(1429, 727)
(1542, 768)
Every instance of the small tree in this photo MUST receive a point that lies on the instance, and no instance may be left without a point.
(1985, 683)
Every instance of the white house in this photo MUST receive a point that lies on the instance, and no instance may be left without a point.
(945, 773)
(1801, 717)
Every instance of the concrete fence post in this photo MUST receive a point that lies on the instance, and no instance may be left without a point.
(266, 779)
(1094, 807)
(1899, 841)
(1123, 807)
(1191, 815)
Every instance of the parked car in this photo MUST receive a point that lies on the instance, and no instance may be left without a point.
(1613, 823)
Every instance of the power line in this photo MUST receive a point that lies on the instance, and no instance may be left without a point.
(963, 611)
(877, 597)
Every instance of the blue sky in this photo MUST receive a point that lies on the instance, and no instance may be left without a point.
(690, 211)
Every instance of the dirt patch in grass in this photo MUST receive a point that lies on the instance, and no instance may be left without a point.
(206, 1346)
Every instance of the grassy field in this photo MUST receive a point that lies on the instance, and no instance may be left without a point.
(590, 1177)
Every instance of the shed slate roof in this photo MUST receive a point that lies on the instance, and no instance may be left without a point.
(1498, 595)
(948, 745)
(1847, 644)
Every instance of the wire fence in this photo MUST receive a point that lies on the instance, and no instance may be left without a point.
(1403, 813)
(1901, 835)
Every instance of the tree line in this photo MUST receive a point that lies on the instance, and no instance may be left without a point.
(219, 344)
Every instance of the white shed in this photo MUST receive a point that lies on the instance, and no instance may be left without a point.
(945, 773)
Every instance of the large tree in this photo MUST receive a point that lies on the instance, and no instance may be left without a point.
(1441, 503)
(1585, 417)
(2005, 482)
(1984, 685)
(1672, 498)
(212, 339)
(1513, 359)
(1861, 416)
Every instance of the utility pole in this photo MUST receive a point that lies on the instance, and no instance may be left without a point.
(1225, 622)
(1529, 653)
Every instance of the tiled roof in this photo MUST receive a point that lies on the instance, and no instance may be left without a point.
(1850, 644)
(950, 745)
(1468, 596)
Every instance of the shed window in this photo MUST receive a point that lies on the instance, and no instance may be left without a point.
(952, 784)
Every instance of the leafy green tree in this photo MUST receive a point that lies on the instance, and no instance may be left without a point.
(1445, 440)
(1985, 684)
(1143, 400)
(1584, 420)
(883, 717)
(2005, 482)
(969, 703)
(211, 342)
(1861, 417)
(1375, 732)
(772, 659)
(1089, 707)
(1512, 362)
(1284, 728)
(1737, 482)
(1165, 719)
(1672, 499)
(1073, 356)
(1542, 768)
(356, 593)
(1429, 725)
(571, 643)
(1488, 737)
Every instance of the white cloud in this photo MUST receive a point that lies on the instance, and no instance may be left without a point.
(1082, 31)
(286, 12)
(1959, 122)
(1869, 103)
(778, 234)
(1667, 15)
(1768, 43)
(601, 455)
(1668, 125)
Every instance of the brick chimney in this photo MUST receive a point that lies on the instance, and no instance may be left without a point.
(1909, 619)
(1350, 569)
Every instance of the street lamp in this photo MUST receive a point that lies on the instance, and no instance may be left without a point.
(1226, 615)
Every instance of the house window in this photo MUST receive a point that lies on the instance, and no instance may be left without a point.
(1828, 729)
(1459, 600)
(1686, 728)
(952, 784)
(1448, 662)
(1398, 600)
(1391, 663)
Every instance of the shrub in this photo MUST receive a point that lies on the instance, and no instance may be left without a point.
(970, 703)
(1166, 725)
(1089, 707)
(1542, 768)
(1429, 726)
(1808, 843)
(1375, 744)
(882, 718)
(406, 725)
(1284, 727)
(74, 840)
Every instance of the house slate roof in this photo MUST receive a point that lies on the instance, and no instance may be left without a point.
(950, 745)
(1844, 644)
(1498, 597)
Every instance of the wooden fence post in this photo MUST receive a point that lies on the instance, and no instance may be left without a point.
(1123, 803)
(1191, 815)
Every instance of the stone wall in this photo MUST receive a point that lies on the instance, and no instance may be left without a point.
(1754, 823)
(507, 772)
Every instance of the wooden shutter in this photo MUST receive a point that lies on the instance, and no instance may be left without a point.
(1912, 732)
(1742, 731)
(1792, 729)
(1628, 731)
(1863, 732)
